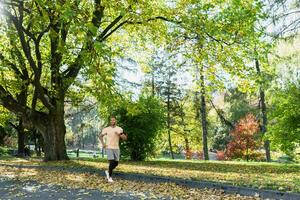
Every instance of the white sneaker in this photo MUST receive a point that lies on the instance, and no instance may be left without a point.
(110, 180)
(107, 174)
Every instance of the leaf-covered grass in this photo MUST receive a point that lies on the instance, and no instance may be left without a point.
(284, 177)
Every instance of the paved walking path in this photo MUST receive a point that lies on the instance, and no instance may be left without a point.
(16, 189)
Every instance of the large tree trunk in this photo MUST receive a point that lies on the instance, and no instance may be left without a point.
(55, 148)
(263, 109)
(203, 116)
(51, 126)
(54, 135)
(21, 138)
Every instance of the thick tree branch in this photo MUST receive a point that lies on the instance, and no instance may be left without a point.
(7, 100)
(109, 27)
(104, 37)
(14, 126)
(221, 116)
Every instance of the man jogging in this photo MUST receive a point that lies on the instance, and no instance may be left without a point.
(113, 134)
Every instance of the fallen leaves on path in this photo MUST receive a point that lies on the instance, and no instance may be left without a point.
(94, 181)
(258, 175)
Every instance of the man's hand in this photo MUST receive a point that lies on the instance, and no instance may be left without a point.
(104, 146)
(123, 136)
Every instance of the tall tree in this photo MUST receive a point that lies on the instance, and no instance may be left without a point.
(213, 34)
(56, 40)
(263, 109)
(203, 115)
(163, 77)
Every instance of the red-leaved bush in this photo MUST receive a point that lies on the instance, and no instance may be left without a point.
(221, 155)
(244, 141)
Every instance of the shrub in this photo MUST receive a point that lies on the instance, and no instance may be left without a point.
(10, 141)
(221, 155)
(142, 121)
(3, 151)
(244, 139)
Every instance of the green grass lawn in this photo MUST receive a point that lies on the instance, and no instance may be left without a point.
(284, 177)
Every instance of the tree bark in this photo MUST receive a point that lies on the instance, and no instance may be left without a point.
(169, 129)
(21, 138)
(54, 146)
(203, 115)
(53, 129)
(169, 115)
(263, 109)
(54, 136)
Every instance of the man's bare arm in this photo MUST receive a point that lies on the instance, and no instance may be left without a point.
(102, 141)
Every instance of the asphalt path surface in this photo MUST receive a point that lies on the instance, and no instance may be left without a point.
(11, 188)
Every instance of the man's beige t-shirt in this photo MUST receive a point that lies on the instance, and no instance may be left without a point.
(112, 137)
